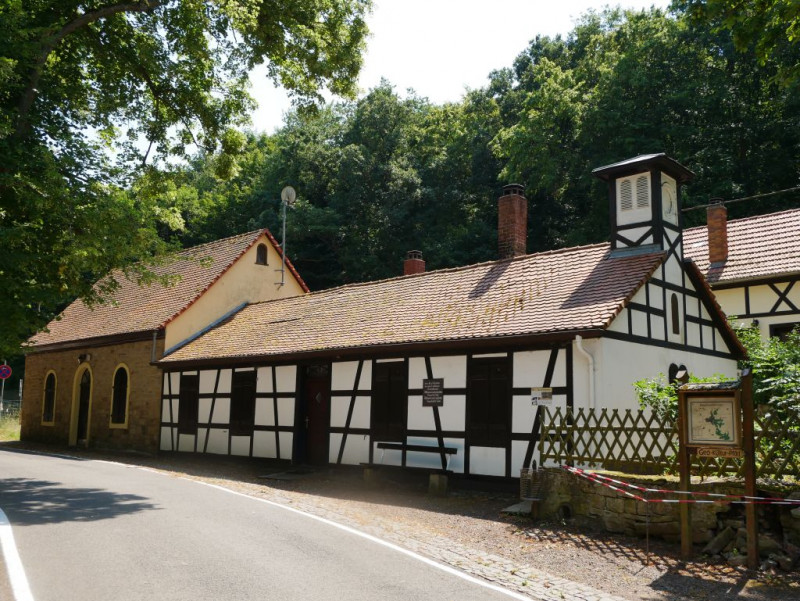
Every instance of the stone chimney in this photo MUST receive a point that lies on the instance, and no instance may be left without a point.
(717, 218)
(512, 222)
(413, 263)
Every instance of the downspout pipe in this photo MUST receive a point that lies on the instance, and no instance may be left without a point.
(590, 360)
(153, 350)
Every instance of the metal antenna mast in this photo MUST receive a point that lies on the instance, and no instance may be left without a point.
(288, 196)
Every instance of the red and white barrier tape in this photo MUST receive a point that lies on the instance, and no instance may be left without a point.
(718, 497)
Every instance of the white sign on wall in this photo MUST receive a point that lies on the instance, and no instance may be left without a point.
(542, 397)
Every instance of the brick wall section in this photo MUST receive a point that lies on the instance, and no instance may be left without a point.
(512, 223)
(717, 218)
(144, 404)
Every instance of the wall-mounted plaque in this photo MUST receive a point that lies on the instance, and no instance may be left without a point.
(542, 397)
(433, 392)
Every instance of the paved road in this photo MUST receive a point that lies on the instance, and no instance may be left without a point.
(90, 530)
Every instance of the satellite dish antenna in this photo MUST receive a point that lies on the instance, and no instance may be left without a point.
(288, 196)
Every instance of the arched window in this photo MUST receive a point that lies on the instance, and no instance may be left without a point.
(49, 404)
(261, 254)
(119, 397)
(676, 315)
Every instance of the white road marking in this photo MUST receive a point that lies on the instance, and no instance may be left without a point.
(374, 539)
(16, 573)
(412, 554)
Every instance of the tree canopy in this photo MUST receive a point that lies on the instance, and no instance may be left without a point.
(96, 97)
(393, 172)
(377, 176)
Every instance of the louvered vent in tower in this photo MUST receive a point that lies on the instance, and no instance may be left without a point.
(642, 192)
(625, 195)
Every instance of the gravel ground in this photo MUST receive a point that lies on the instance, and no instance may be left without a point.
(467, 529)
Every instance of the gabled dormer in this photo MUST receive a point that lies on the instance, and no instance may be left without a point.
(644, 199)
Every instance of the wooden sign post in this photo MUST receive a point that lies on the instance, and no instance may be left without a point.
(716, 420)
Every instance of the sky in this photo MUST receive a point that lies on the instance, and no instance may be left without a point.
(441, 48)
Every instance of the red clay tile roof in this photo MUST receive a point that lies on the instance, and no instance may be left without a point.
(561, 291)
(758, 247)
(138, 308)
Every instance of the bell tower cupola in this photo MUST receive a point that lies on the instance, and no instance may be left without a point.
(644, 199)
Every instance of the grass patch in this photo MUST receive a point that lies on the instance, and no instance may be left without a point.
(9, 427)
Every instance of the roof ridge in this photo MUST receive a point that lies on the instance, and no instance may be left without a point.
(212, 242)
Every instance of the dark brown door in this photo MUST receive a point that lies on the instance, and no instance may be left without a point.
(317, 394)
(84, 396)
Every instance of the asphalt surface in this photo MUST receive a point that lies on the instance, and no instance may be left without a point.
(89, 530)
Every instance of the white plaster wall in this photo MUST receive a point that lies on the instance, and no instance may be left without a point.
(732, 301)
(203, 411)
(217, 441)
(762, 299)
(356, 449)
(173, 380)
(452, 369)
(340, 405)
(240, 445)
(530, 368)
(165, 414)
(186, 442)
(286, 441)
(167, 436)
(419, 417)
(286, 378)
(264, 380)
(386, 456)
(285, 412)
(487, 461)
(264, 444)
(222, 411)
(344, 375)
(618, 364)
(265, 412)
(452, 413)
(224, 385)
(207, 379)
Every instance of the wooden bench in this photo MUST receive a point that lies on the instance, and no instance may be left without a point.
(437, 480)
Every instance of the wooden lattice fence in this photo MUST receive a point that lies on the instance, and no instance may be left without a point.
(641, 441)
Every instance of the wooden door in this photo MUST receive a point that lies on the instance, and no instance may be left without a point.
(316, 395)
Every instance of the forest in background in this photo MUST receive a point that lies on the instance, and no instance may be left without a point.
(104, 105)
(392, 172)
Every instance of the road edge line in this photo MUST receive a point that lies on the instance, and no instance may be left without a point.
(441, 566)
(16, 573)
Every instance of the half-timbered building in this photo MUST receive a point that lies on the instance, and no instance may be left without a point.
(753, 266)
(91, 378)
(449, 369)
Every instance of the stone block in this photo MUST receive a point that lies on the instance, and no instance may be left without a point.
(437, 485)
(662, 529)
(616, 505)
(767, 545)
(717, 544)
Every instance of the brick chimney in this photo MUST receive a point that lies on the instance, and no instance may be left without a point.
(512, 222)
(717, 218)
(413, 263)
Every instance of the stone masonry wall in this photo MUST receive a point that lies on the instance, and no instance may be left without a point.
(719, 527)
(144, 403)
